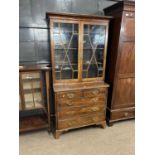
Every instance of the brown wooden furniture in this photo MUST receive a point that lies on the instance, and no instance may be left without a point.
(34, 97)
(78, 50)
(120, 71)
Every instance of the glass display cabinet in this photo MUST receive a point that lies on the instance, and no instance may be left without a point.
(78, 54)
(34, 100)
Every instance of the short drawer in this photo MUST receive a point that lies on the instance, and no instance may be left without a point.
(81, 101)
(30, 75)
(123, 114)
(69, 95)
(81, 121)
(64, 113)
(94, 92)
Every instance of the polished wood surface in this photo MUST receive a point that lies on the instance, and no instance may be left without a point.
(80, 99)
(120, 71)
(80, 121)
(72, 106)
(127, 58)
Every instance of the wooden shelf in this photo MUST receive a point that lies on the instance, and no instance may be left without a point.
(32, 123)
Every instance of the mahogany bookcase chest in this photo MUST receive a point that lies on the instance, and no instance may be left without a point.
(78, 54)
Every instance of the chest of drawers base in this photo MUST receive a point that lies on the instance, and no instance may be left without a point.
(120, 115)
(79, 108)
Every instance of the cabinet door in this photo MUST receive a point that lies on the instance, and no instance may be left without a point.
(32, 90)
(65, 46)
(125, 93)
(127, 58)
(94, 50)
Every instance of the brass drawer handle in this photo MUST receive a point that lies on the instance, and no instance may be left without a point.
(126, 14)
(71, 123)
(94, 100)
(94, 119)
(126, 114)
(129, 14)
(70, 95)
(95, 109)
(95, 92)
(69, 103)
(70, 112)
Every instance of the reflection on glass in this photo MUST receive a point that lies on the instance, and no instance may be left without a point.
(32, 90)
(66, 50)
(93, 48)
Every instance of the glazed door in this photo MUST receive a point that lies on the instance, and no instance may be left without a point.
(94, 44)
(31, 90)
(65, 49)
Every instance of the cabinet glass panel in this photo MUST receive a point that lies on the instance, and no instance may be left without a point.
(65, 37)
(32, 90)
(93, 50)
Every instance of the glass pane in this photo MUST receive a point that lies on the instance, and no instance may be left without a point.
(65, 27)
(29, 104)
(66, 50)
(32, 90)
(38, 100)
(93, 50)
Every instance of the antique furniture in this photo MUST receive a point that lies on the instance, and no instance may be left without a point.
(120, 71)
(34, 97)
(78, 54)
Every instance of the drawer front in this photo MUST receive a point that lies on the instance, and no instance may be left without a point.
(81, 101)
(69, 95)
(128, 27)
(31, 75)
(94, 92)
(125, 114)
(81, 121)
(75, 111)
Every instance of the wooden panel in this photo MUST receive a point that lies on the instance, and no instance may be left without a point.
(125, 93)
(80, 121)
(128, 28)
(81, 101)
(127, 58)
(123, 114)
(75, 111)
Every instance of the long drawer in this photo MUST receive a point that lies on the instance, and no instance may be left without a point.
(81, 101)
(81, 93)
(123, 114)
(64, 113)
(81, 121)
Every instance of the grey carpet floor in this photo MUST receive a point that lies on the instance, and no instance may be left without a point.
(116, 140)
